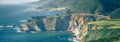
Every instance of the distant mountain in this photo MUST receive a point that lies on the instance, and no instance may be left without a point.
(87, 6)
(52, 3)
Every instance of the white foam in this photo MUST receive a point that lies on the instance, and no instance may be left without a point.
(18, 30)
(74, 39)
(9, 26)
(23, 21)
(76, 33)
(6, 26)
(33, 31)
(1, 26)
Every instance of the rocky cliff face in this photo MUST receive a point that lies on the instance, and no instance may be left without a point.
(77, 23)
(43, 23)
(68, 22)
(57, 23)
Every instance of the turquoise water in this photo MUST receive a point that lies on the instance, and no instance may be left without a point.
(12, 14)
(36, 37)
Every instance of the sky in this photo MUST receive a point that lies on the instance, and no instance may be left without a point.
(15, 1)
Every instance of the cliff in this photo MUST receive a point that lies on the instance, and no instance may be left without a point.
(76, 22)
(58, 22)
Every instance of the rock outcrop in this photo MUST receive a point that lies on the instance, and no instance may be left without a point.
(77, 23)
(68, 22)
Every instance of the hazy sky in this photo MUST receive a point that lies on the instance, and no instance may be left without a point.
(15, 1)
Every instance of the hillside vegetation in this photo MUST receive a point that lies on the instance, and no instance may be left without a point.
(103, 35)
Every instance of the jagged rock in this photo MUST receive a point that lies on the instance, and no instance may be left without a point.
(58, 23)
(77, 23)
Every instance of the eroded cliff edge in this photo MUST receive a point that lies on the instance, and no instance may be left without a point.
(76, 22)
(68, 22)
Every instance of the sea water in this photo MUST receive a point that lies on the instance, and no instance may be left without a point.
(12, 15)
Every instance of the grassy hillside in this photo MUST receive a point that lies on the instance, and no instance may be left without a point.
(110, 24)
(103, 35)
(107, 31)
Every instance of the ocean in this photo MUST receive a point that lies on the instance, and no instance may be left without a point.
(16, 15)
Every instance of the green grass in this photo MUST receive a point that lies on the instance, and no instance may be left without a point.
(103, 35)
(111, 24)
(111, 33)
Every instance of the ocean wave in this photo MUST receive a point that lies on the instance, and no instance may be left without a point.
(9, 26)
(23, 21)
(1, 26)
(73, 39)
(18, 30)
